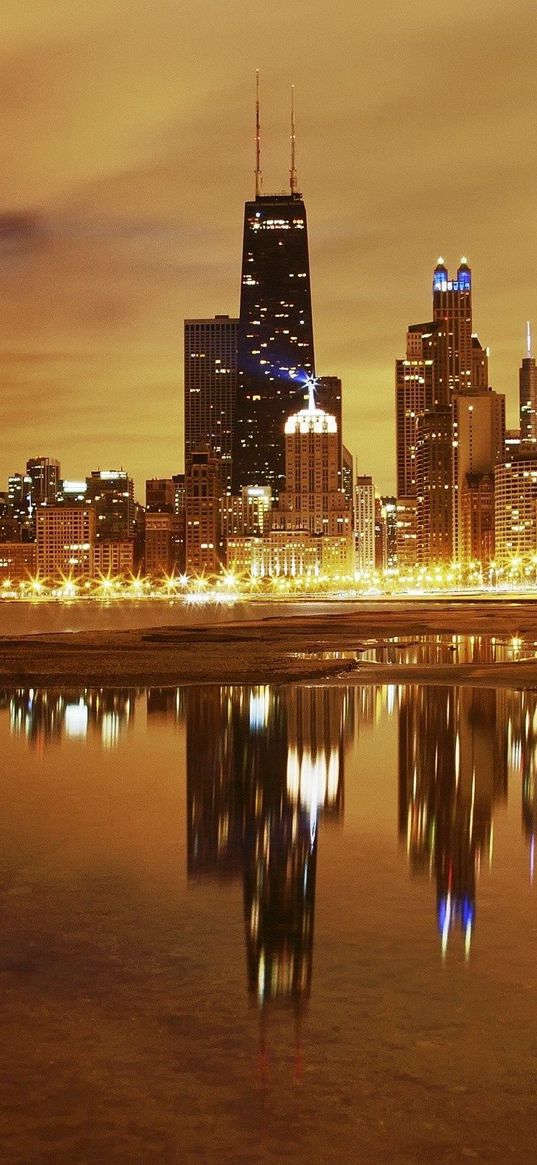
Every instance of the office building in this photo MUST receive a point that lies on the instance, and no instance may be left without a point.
(444, 358)
(160, 495)
(365, 524)
(203, 512)
(515, 510)
(528, 395)
(113, 558)
(434, 502)
(44, 474)
(164, 544)
(211, 387)
(276, 354)
(18, 561)
(65, 537)
(111, 492)
(478, 420)
(312, 499)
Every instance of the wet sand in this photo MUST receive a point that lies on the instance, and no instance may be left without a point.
(279, 648)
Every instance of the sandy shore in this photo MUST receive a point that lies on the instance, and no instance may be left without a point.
(278, 649)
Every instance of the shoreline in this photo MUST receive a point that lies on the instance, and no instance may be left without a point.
(283, 647)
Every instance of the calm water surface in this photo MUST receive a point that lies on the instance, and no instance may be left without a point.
(250, 925)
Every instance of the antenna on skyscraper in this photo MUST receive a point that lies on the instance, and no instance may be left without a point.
(528, 339)
(292, 172)
(258, 175)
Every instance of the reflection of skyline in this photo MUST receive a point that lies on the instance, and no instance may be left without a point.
(262, 765)
(520, 718)
(452, 771)
(44, 717)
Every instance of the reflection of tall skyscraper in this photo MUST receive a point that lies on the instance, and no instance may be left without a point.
(262, 765)
(452, 769)
(276, 329)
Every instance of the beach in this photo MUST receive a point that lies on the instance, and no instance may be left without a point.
(361, 641)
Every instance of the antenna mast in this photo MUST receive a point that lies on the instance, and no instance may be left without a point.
(528, 339)
(292, 172)
(258, 174)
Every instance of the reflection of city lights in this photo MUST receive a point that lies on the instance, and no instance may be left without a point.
(259, 708)
(110, 728)
(76, 719)
(313, 779)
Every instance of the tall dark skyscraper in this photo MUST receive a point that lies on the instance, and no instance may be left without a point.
(528, 395)
(210, 388)
(276, 330)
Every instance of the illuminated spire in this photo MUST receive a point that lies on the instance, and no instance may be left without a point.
(310, 385)
(258, 174)
(528, 339)
(292, 172)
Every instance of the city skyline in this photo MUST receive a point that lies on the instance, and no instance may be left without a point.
(128, 169)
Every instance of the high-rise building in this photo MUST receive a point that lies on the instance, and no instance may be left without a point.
(389, 505)
(210, 387)
(478, 445)
(528, 396)
(365, 524)
(65, 540)
(434, 534)
(164, 544)
(515, 509)
(452, 310)
(443, 358)
(44, 474)
(276, 353)
(160, 495)
(416, 391)
(312, 499)
(203, 512)
(111, 493)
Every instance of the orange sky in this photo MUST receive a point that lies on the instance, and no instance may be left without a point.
(128, 154)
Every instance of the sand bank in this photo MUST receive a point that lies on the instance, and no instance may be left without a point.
(280, 648)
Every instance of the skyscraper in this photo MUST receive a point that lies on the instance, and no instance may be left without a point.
(528, 395)
(44, 473)
(444, 359)
(478, 420)
(276, 329)
(210, 387)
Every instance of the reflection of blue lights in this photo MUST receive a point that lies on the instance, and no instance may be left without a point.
(467, 912)
(451, 910)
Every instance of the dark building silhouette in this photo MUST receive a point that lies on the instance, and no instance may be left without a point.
(275, 336)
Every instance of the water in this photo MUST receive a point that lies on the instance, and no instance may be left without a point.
(293, 924)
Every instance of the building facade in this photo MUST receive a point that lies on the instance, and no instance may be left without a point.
(515, 510)
(203, 512)
(478, 442)
(365, 524)
(65, 537)
(111, 493)
(211, 347)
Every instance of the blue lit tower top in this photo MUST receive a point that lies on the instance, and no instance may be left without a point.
(452, 310)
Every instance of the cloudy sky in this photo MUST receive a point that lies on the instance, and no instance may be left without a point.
(127, 157)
